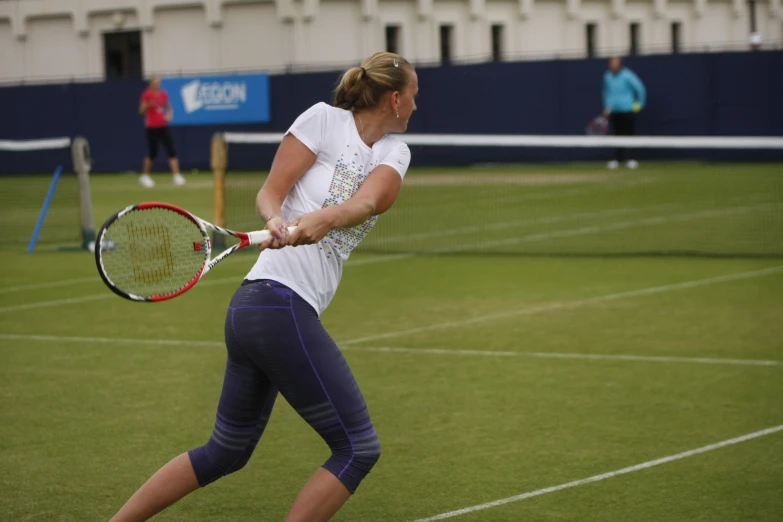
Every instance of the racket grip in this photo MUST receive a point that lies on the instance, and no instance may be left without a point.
(259, 236)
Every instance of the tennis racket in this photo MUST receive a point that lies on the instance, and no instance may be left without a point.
(157, 251)
(598, 126)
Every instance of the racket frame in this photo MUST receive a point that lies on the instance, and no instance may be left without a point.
(245, 239)
(599, 122)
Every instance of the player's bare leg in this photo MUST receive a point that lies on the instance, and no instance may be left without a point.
(169, 484)
(174, 166)
(145, 178)
(319, 499)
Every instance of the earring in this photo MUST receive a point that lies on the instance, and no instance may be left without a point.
(398, 113)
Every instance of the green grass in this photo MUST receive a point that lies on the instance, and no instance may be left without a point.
(576, 210)
(84, 423)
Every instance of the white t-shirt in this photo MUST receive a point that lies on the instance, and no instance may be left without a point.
(343, 161)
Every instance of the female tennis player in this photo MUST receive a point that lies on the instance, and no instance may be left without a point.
(335, 171)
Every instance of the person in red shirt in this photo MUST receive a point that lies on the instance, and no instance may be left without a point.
(156, 109)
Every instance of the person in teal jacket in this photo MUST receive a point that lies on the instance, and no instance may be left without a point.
(624, 97)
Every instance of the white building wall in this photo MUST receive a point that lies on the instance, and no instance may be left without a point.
(11, 59)
(599, 13)
(42, 59)
(182, 42)
(63, 39)
(413, 42)
(506, 14)
(252, 37)
(543, 32)
(682, 11)
(336, 35)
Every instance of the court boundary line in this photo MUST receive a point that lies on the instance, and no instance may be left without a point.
(604, 476)
(565, 233)
(425, 351)
(609, 227)
(557, 305)
(562, 355)
(567, 305)
(207, 282)
(37, 286)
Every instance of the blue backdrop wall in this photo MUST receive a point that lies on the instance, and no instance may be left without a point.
(730, 94)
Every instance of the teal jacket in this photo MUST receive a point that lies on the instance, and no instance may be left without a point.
(622, 90)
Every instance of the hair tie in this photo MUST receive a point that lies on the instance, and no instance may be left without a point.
(364, 71)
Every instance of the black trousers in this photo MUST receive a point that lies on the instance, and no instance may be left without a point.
(162, 135)
(623, 124)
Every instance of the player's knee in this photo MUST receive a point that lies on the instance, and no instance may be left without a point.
(240, 462)
(217, 459)
(352, 465)
(367, 451)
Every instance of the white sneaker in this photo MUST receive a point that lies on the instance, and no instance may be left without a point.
(146, 181)
(613, 164)
(632, 164)
(179, 179)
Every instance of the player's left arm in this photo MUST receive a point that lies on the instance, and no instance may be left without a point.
(605, 95)
(378, 192)
(375, 196)
(169, 109)
(639, 89)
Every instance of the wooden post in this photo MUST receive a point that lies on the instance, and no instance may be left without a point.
(218, 162)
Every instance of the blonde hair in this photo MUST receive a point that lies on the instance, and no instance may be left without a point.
(363, 87)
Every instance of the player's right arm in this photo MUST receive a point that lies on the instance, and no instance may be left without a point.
(144, 104)
(292, 160)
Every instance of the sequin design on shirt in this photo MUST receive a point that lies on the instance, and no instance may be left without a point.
(345, 182)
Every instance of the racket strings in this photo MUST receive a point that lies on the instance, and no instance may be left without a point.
(153, 251)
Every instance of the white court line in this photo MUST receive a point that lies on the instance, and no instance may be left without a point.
(530, 238)
(110, 340)
(234, 259)
(504, 225)
(426, 351)
(378, 259)
(104, 295)
(611, 227)
(604, 476)
(36, 286)
(451, 324)
(207, 282)
(561, 218)
(555, 355)
(568, 305)
(456, 231)
(56, 302)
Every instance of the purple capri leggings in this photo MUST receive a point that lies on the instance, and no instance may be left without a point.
(276, 342)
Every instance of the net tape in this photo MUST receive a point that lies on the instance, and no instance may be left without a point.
(27, 145)
(498, 140)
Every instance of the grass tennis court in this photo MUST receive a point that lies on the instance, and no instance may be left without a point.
(473, 365)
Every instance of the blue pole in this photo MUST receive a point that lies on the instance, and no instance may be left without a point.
(44, 209)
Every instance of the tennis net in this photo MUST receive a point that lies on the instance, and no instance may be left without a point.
(50, 207)
(687, 208)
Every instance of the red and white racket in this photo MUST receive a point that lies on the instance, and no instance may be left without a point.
(156, 251)
(598, 126)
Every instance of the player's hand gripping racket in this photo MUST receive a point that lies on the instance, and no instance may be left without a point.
(156, 251)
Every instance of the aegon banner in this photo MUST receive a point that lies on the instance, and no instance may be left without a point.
(218, 99)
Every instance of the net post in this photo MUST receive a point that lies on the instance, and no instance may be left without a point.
(218, 162)
(44, 208)
(80, 154)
